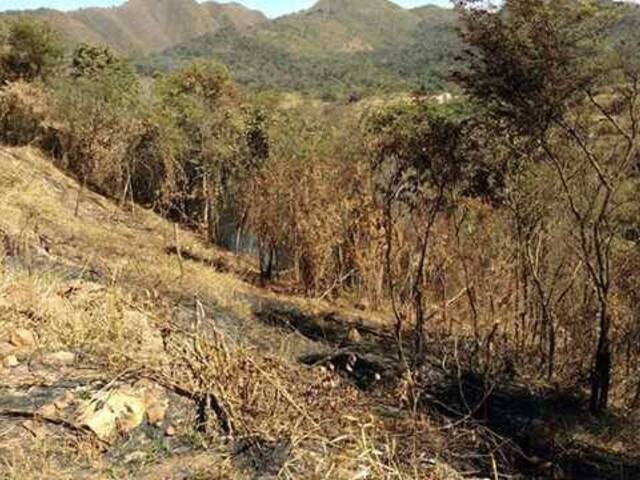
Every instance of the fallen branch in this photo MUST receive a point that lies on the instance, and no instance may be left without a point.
(60, 422)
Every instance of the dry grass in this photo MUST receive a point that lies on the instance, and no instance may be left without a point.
(102, 284)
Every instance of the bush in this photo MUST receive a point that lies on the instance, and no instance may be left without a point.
(23, 113)
(99, 110)
(30, 51)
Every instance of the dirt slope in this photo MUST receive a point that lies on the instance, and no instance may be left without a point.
(120, 358)
(131, 350)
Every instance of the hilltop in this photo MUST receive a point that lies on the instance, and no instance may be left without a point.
(142, 26)
(337, 47)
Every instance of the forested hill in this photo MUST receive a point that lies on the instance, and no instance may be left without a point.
(142, 26)
(341, 48)
(336, 47)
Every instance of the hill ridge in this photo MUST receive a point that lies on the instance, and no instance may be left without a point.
(139, 27)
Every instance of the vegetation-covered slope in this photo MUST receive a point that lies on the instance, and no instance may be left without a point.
(142, 26)
(432, 284)
(336, 47)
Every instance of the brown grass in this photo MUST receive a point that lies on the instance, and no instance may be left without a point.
(102, 284)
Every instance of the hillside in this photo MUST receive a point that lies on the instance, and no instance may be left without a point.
(142, 26)
(198, 281)
(337, 47)
(113, 323)
(130, 349)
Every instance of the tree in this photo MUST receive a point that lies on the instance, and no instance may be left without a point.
(204, 106)
(31, 51)
(557, 96)
(418, 164)
(100, 108)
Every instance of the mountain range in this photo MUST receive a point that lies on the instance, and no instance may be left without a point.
(142, 26)
(334, 48)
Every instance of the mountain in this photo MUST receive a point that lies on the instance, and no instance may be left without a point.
(342, 26)
(143, 26)
(336, 47)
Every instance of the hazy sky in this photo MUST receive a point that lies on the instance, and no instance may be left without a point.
(270, 7)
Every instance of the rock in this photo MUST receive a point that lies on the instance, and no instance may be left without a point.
(22, 337)
(48, 410)
(156, 413)
(353, 336)
(58, 359)
(65, 401)
(10, 361)
(111, 412)
(170, 431)
(6, 349)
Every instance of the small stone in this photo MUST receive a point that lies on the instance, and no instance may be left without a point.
(170, 431)
(48, 410)
(66, 400)
(59, 359)
(156, 413)
(22, 337)
(353, 336)
(10, 361)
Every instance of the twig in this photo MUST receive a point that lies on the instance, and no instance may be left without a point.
(77, 429)
(336, 284)
(178, 250)
(285, 394)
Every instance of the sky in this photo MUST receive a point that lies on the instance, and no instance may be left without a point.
(272, 8)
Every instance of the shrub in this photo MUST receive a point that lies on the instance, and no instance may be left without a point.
(23, 113)
(31, 51)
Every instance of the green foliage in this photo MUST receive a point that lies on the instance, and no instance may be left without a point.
(311, 52)
(101, 110)
(421, 145)
(194, 90)
(206, 112)
(531, 61)
(29, 50)
(97, 62)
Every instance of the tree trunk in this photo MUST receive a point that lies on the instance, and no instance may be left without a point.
(552, 346)
(601, 378)
(418, 303)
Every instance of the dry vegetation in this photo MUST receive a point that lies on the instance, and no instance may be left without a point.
(427, 290)
(82, 284)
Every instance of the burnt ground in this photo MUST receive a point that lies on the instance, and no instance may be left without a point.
(539, 428)
(497, 425)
